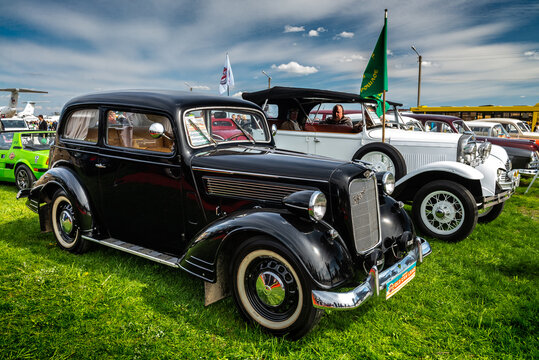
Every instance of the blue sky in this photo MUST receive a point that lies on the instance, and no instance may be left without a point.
(474, 52)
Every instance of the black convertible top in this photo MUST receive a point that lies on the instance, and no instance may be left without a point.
(306, 96)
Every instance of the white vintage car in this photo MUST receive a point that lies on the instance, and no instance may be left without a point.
(447, 177)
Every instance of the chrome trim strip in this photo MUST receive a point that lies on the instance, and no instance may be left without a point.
(354, 298)
(231, 172)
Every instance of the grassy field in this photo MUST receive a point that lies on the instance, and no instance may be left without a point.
(477, 299)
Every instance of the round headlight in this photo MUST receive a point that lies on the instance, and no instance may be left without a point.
(317, 206)
(470, 148)
(388, 183)
(484, 149)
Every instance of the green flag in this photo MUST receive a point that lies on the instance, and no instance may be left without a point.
(375, 75)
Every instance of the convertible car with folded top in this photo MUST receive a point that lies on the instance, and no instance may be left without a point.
(196, 182)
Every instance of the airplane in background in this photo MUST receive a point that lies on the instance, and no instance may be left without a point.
(11, 109)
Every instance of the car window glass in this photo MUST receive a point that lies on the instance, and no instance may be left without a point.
(522, 126)
(5, 140)
(132, 130)
(82, 125)
(460, 126)
(214, 126)
(480, 130)
(512, 129)
(271, 111)
(37, 141)
(437, 126)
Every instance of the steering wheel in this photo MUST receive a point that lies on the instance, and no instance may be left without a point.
(235, 137)
(218, 137)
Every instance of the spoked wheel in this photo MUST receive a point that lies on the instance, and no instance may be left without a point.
(64, 224)
(272, 289)
(383, 157)
(24, 177)
(445, 210)
(490, 213)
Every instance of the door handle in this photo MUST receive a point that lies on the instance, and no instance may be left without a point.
(101, 166)
(316, 140)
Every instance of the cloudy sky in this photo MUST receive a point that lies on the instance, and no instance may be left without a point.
(474, 52)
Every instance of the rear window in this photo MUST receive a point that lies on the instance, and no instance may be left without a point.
(82, 125)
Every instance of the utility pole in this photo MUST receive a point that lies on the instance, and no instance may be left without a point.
(419, 77)
(269, 78)
(189, 86)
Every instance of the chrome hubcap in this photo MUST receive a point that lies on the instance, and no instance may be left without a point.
(66, 221)
(270, 289)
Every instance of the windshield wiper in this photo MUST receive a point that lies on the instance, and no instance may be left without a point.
(247, 135)
(202, 133)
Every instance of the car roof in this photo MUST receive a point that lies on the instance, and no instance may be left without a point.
(165, 100)
(503, 120)
(307, 95)
(481, 123)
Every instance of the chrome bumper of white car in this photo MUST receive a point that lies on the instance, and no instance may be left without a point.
(508, 181)
(375, 282)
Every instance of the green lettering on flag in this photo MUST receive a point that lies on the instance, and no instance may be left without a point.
(375, 75)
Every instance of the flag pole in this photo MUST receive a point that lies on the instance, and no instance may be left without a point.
(384, 95)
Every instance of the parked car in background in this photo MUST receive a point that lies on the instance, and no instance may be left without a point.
(13, 124)
(447, 178)
(489, 129)
(516, 128)
(24, 156)
(172, 177)
(524, 154)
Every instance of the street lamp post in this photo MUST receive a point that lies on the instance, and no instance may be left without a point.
(269, 78)
(419, 77)
(189, 86)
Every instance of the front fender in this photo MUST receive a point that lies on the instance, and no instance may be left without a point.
(66, 179)
(327, 260)
(471, 178)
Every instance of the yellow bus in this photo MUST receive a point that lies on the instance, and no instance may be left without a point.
(527, 113)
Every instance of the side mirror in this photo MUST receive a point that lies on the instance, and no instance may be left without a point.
(156, 130)
(273, 129)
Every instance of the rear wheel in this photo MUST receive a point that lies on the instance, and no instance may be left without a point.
(490, 213)
(445, 210)
(24, 177)
(64, 224)
(272, 289)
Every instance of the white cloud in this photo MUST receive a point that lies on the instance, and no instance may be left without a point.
(313, 33)
(289, 28)
(295, 68)
(532, 55)
(344, 35)
(321, 29)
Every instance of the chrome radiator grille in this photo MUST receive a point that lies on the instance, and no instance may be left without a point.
(365, 213)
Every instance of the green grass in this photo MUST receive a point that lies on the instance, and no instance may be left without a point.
(477, 299)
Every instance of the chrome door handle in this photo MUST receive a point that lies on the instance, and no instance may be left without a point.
(101, 166)
(316, 140)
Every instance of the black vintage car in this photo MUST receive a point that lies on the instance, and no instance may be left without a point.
(195, 182)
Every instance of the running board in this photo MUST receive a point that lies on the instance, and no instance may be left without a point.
(138, 250)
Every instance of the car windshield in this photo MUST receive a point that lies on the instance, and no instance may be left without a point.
(213, 126)
(523, 126)
(37, 141)
(461, 126)
(13, 124)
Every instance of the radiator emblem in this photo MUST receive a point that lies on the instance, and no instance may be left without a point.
(356, 198)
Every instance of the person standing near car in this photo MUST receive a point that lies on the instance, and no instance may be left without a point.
(42, 123)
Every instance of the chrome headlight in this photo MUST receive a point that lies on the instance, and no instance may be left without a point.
(307, 203)
(484, 150)
(469, 153)
(388, 182)
(317, 205)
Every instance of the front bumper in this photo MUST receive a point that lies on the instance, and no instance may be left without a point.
(508, 182)
(375, 282)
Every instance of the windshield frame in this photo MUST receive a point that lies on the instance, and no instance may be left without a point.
(248, 141)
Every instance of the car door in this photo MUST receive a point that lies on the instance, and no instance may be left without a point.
(141, 181)
(6, 171)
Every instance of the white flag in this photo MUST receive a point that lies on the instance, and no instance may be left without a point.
(227, 79)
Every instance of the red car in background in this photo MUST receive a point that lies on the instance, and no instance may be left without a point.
(524, 154)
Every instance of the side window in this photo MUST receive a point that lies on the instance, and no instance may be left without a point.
(271, 111)
(459, 126)
(512, 129)
(82, 125)
(132, 130)
(5, 140)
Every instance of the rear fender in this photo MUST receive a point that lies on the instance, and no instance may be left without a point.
(327, 260)
(62, 178)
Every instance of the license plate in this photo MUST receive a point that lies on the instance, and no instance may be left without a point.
(400, 281)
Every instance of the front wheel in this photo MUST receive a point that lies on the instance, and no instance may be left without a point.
(24, 177)
(383, 157)
(445, 210)
(272, 289)
(64, 224)
(490, 213)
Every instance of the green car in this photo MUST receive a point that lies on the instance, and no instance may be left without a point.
(24, 156)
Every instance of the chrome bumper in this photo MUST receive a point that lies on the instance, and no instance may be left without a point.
(375, 282)
(511, 182)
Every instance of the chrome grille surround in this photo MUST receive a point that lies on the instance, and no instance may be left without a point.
(365, 213)
(246, 189)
